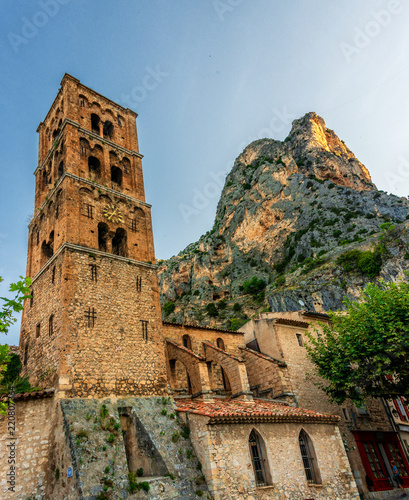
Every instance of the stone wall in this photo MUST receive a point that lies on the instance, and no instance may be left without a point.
(225, 456)
(27, 450)
(276, 334)
(198, 335)
(74, 208)
(161, 447)
(112, 354)
(268, 376)
(219, 379)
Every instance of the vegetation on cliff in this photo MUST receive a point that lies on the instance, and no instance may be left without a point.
(301, 216)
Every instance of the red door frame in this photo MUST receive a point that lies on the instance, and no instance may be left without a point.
(374, 438)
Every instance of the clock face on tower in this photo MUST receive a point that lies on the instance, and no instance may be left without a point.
(112, 213)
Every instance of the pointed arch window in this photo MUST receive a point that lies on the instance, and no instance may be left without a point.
(309, 458)
(259, 459)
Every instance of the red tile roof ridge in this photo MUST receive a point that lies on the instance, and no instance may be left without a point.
(234, 411)
(44, 393)
(291, 322)
(200, 327)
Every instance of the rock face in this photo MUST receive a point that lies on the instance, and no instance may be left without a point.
(287, 212)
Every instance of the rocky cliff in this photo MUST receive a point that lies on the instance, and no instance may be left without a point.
(299, 225)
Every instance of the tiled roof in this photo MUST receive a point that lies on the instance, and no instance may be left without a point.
(198, 327)
(235, 412)
(313, 314)
(291, 322)
(47, 393)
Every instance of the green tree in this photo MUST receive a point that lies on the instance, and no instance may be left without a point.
(168, 307)
(211, 310)
(21, 291)
(364, 352)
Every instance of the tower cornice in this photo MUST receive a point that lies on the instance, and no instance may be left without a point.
(90, 251)
(90, 183)
(67, 76)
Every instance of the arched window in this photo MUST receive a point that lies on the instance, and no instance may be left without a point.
(60, 169)
(309, 458)
(116, 175)
(103, 231)
(95, 123)
(220, 343)
(258, 456)
(119, 243)
(47, 251)
(44, 179)
(94, 167)
(108, 129)
(187, 342)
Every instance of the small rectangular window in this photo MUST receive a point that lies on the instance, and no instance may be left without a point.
(51, 325)
(144, 330)
(90, 316)
(300, 340)
(53, 275)
(133, 225)
(88, 210)
(83, 151)
(82, 103)
(38, 330)
(138, 283)
(94, 270)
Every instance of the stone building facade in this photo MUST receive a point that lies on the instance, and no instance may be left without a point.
(368, 432)
(193, 410)
(93, 326)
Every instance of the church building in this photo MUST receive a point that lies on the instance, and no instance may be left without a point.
(130, 406)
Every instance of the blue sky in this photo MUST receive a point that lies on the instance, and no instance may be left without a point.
(226, 72)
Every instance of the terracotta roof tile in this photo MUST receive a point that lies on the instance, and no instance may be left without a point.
(46, 393)
(199, 327)
(228, 411)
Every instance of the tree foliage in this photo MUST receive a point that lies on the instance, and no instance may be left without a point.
(21, 291)
(168, 307)
(364, 352)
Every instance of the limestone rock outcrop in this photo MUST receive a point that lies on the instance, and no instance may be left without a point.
(287, 211)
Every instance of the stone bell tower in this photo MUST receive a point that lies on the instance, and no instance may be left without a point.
(93, 326)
